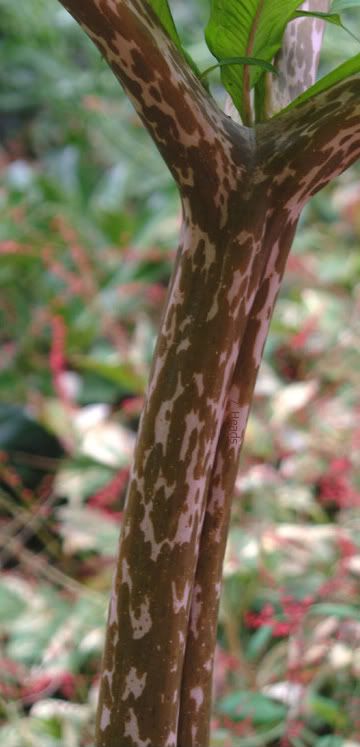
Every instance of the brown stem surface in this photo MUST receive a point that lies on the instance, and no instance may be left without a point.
(242, 191)
(195, 707)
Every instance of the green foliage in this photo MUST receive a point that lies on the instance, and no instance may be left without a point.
(262, 711)
(339, 611)
(240, 61)
(333, 18)
(162, 10)
(330, 742)
(242, 28)
(11, 604)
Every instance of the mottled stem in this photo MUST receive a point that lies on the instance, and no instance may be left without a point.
(292, 183)
(213, 289)
(302, 43)
(298, 60)
(242, 191)
(195, 707)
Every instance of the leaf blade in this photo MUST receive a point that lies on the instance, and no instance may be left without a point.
(243, 28)
(240, 61)
(333, 18)
(163, 12)
(162, 9)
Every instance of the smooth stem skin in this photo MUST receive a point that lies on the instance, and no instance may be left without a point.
(242, 191)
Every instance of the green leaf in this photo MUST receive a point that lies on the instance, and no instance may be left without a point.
(240, 61)
(245, 704)
(163, 12)
(348, 68)
(330, 741)
(11, 604)
(259, 641)
(122, 374)
(327, 710)
(246, 28)
(341, 611)
(333, 18)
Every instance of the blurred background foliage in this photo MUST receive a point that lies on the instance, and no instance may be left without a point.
(89, 219)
